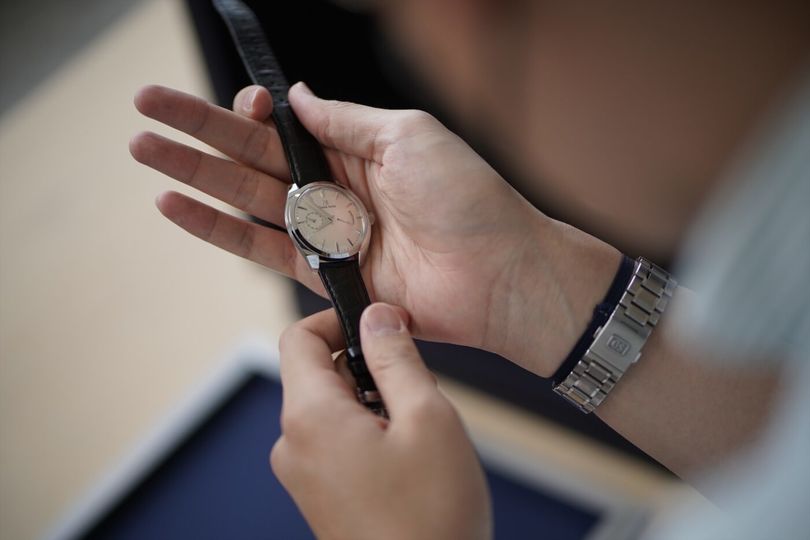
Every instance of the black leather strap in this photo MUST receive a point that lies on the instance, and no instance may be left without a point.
(304, 153)
(344, 285)
(342, 279)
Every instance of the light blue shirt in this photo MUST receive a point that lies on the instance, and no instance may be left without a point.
(748, 260)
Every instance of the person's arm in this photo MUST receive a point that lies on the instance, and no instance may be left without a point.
(471, 261)
(687, 410)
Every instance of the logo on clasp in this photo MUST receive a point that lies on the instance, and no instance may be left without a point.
(618, 345)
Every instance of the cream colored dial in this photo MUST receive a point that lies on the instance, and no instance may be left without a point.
(330, 219)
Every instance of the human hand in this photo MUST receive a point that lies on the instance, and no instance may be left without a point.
(356, 475)
(470, 259)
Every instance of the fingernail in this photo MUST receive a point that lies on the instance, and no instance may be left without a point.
(305, 88)
(382, 319)
(250, 99)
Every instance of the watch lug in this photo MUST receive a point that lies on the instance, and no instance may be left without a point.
(313, 261)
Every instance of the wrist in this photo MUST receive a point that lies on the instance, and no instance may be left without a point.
(561, 274)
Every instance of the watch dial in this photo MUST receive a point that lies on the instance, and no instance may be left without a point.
(331, 219)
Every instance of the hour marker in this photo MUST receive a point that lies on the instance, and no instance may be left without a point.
(350, 242)
(304, 208)
(337, 247)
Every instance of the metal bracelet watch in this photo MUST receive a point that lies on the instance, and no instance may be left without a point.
(328, 224)
(617, 344)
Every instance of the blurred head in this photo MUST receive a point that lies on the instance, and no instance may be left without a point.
(624, 113)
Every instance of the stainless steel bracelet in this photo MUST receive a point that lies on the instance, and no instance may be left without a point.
(617, 344)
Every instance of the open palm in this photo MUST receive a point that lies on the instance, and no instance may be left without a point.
(449, 233)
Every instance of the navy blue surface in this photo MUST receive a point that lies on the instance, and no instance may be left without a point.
(217, 484)
(523, 512)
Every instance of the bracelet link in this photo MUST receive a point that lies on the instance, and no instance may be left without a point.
(617, 344)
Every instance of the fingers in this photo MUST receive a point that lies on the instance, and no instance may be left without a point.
(325, 326)
(245, 188)
(348, 127)
(394, 362)
(246, 140)
(312, 387)
(253, 102)
(259, 244)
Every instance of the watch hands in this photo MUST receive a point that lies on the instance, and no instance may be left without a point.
(324, 214)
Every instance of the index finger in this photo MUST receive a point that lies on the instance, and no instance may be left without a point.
(243, 139)
(308, 373)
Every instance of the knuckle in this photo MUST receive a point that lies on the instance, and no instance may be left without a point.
(247, 239)
(415, 120)
(246, 191)
(304, 425)
(208, 235)
(288, 337)
(199, 116)
(194, 172)
(278, 457)
(256, 144)
(283, 461)
(293, 424)
(431, 408)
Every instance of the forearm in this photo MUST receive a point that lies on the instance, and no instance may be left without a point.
(685, 410)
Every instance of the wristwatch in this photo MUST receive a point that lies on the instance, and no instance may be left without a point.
(328, 223)
(616, 345)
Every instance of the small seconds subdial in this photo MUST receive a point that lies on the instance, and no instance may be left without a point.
(330, 219)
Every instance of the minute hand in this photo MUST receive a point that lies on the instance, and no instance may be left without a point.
(346, 222)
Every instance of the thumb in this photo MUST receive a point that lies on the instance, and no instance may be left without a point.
(348, 127)
(393, 360)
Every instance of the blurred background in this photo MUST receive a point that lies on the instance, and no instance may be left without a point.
(109, 315)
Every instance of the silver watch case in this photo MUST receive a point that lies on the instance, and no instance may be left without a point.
(312, 254)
